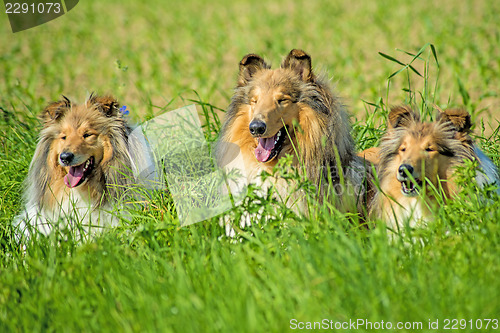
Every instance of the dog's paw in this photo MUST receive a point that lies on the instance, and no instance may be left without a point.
(225, 221)
(228, 223)
(230, 231)
(246, 220)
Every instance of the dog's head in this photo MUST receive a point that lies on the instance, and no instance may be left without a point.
(425, 150)
(272, 98)
(81, 143)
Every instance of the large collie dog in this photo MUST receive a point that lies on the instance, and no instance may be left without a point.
(414, 154)
(291, 111)
(84, 163)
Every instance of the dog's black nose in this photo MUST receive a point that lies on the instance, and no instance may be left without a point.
(66, 157)
(257, 127)
(404, 169)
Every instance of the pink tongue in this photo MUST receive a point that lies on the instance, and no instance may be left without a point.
(74, 176)
(264, 148)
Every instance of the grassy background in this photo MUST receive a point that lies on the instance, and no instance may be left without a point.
(154, 276)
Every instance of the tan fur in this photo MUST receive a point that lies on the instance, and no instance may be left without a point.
(95, 129)
(317, 124)
(433, 150)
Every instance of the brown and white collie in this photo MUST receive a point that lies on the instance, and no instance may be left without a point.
(290, 111)
(414, 154)
(85, 162)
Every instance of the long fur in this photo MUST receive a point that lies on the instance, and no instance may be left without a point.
(48, 201)
(318, 126)
(435, 148)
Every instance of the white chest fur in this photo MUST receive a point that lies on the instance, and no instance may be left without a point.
(73, 213)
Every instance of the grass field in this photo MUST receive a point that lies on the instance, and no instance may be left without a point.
(153, 275)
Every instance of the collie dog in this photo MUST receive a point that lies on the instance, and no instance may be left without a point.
(416, 161)
(84, 163)
(290, 111)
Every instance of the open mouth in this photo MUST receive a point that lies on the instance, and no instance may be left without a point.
(410, 188)
(268, 148)
(77, 174)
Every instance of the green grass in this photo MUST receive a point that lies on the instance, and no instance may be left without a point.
(153, 275)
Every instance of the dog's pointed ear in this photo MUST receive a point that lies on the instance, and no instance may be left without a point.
(460, 119)
(299, 62)
(106, 104)
(55, 110)
(249, 65)
(401, 116)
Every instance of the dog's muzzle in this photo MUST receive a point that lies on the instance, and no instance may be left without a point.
(410, 183)
(403, 171)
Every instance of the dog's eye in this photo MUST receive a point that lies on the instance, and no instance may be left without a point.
(429, 149)
(253, 101)
(86, 135)
(284, 99)
(402, 149)
(63, 137)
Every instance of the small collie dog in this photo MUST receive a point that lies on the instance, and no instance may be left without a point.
(83, 165)
(290, 111)
(414, 154)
